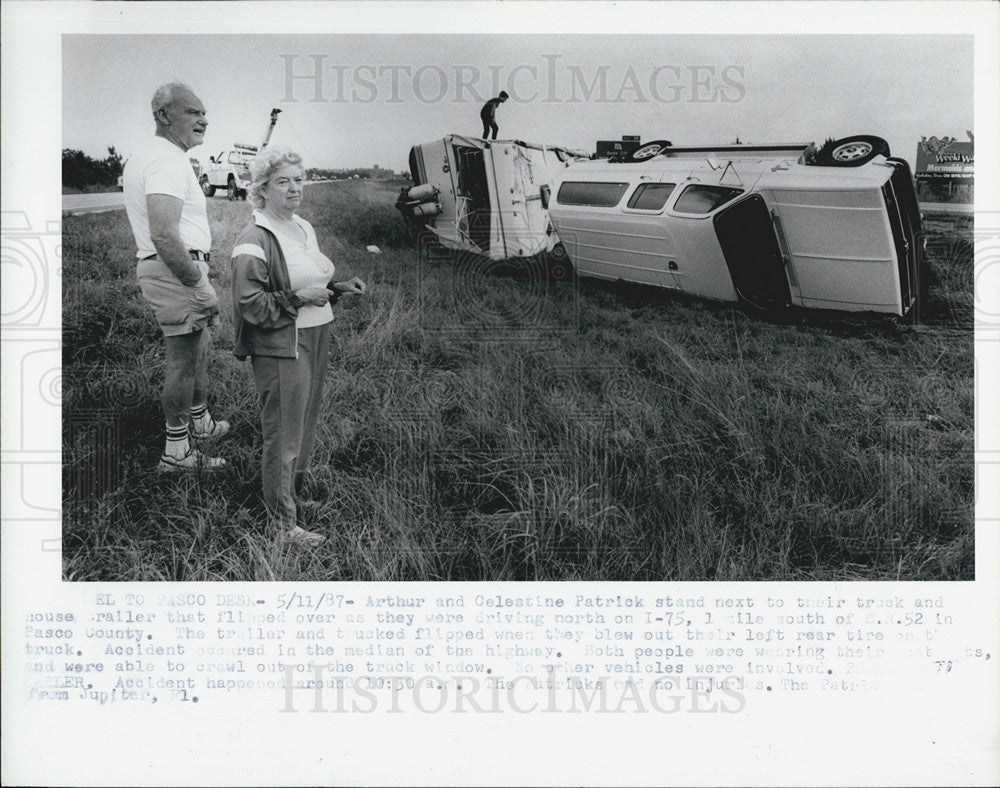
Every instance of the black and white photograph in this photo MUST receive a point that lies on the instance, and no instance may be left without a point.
(500, 393)
(655, 307)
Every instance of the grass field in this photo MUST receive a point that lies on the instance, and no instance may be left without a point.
(505, 428)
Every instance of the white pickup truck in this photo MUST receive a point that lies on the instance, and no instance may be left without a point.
(229, 170)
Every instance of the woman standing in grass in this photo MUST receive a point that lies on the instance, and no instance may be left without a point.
(283, 289)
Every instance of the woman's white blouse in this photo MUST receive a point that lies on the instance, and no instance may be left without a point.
(307, 267)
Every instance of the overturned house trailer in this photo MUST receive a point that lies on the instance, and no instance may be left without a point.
(485, 197)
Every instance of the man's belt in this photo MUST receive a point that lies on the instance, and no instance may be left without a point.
(196, 254)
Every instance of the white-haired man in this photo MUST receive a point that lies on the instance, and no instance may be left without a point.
(166, 208)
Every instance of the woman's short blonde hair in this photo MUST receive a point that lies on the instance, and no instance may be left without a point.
(264, 165)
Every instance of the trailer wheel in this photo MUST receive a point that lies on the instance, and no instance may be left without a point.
(207, 189)
(231, 191)
(852, 151)
(647, 151)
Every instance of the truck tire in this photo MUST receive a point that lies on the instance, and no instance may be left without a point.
(646, 151)
(852, 151)
(231, 191)
(207, 189)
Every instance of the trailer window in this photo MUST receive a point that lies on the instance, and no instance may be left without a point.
(651, 196)
(597, 194)
(700, 198)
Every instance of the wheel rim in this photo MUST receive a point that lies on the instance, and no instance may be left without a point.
(646, 152)
(852, 151)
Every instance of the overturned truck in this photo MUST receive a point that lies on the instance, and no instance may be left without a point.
(485, 197)
(774, 226)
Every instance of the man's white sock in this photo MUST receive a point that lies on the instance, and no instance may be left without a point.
(177, 442)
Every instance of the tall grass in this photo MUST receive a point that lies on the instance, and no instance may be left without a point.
(502, 427)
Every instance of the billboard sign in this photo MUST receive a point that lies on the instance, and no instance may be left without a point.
(945, 159)
(944, 171)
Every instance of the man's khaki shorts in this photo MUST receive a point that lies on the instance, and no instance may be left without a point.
(178, 309)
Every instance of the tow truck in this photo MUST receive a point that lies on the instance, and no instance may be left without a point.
(230, 169)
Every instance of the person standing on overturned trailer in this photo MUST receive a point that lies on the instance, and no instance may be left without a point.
(488, 114)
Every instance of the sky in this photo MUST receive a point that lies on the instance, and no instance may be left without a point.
(377, 95)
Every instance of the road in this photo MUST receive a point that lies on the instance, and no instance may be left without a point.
(111, 201)
(92, 203)
(946, 207)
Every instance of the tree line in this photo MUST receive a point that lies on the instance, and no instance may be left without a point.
(79, 170)
(319, 173)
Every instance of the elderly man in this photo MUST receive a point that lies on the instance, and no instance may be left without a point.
(166, 208)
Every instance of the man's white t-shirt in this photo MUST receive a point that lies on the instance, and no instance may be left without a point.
(160, 167)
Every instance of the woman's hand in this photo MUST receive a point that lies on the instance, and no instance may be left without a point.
(353, 285)
(315, 296)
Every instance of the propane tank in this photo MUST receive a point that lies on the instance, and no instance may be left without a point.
(426, 209)
(424, 191)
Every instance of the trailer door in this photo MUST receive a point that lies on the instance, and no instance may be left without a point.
(472, 195)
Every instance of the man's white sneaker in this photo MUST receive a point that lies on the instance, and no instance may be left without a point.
(194, 460)
(216, 430)
(299, 535)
